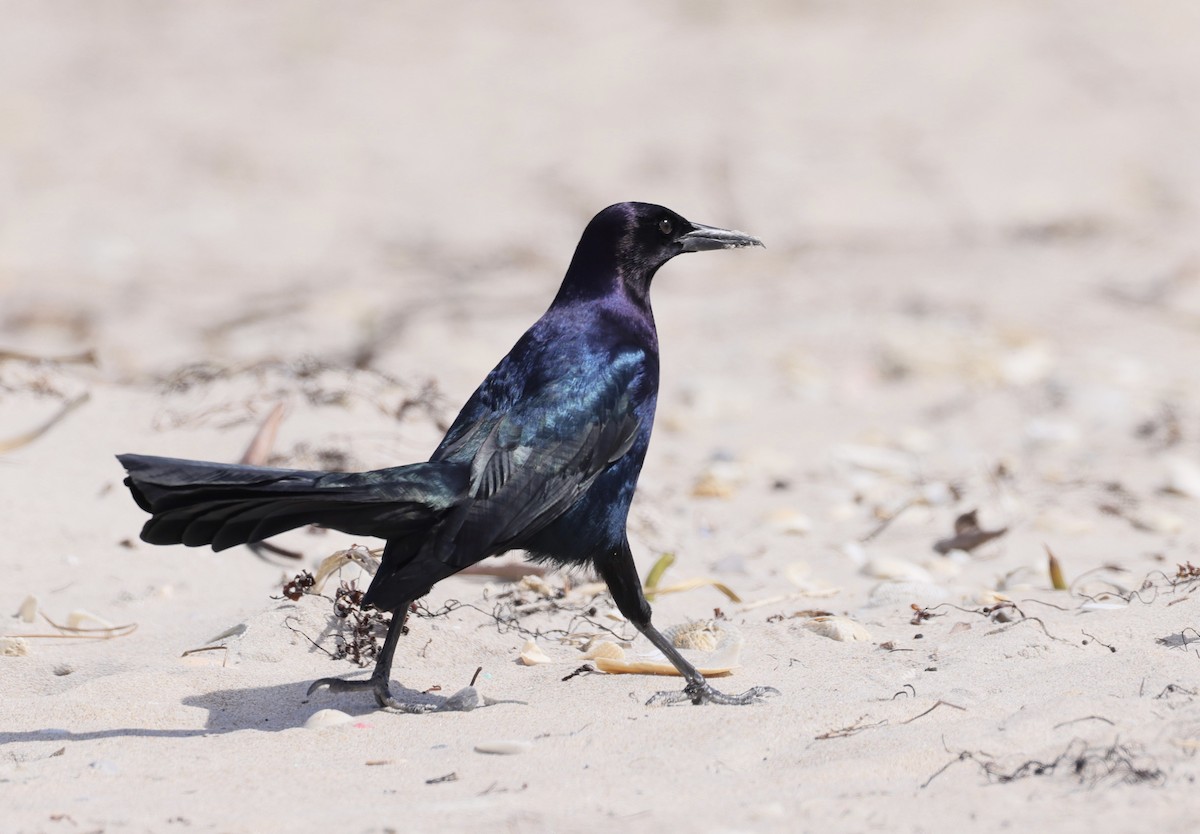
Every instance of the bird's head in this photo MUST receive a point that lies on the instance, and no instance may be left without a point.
(625, 244)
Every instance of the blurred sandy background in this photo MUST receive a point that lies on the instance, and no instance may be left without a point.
(981, 291)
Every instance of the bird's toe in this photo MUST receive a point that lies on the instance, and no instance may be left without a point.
(705, 694)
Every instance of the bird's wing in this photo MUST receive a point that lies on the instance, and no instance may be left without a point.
(531, 462)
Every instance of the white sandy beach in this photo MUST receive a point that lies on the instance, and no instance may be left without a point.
(981, 292)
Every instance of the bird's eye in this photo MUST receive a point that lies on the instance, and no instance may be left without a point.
(664, 226)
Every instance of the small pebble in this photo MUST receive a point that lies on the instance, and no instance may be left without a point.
(327, 718)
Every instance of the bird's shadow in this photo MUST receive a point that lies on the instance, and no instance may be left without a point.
(261, 708)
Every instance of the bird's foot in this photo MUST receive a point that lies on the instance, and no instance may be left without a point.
(703, 693)
(464, 700)
(378, 686)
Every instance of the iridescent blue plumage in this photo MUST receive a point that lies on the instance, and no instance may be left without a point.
(544, 457)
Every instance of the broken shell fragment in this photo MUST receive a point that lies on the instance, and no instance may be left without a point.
(27, 613)
(842, 629)
(80, 619)
(535, 583)
(603, 648)
(1109, 605)
(353, 555)
(702, 635)
(691, 639)
(532, 654)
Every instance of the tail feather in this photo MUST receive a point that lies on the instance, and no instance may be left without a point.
(198, 503)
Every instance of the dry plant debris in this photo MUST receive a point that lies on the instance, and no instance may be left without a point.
(362, 628)
(1082, 762)
(968, 535)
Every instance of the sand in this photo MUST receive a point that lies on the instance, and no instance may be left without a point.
(980, 292)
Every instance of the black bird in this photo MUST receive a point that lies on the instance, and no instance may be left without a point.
(544, 457)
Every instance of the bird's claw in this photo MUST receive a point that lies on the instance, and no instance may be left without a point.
(377, 686)
(703, 693)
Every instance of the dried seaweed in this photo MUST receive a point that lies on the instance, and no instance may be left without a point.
(1081, 762)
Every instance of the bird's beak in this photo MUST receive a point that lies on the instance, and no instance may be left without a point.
(702, 238)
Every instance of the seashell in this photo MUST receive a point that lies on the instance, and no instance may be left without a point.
(895, 570)
(323, 718)
(721, 659)
(504, 747)
(354, 555)
(27, 613)
(700, 635)
(14, 647)
(603, 648)
(532, 654)
(1183, 477)
(842, 629)
(81, 619)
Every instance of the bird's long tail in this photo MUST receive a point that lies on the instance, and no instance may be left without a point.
(198, 503)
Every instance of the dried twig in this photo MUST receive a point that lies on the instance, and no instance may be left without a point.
(940, 703)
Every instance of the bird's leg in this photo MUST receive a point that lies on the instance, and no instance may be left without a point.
(698, 689)
(380, 680)
(620, 574)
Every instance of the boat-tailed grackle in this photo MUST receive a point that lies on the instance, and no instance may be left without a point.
(544, 457)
